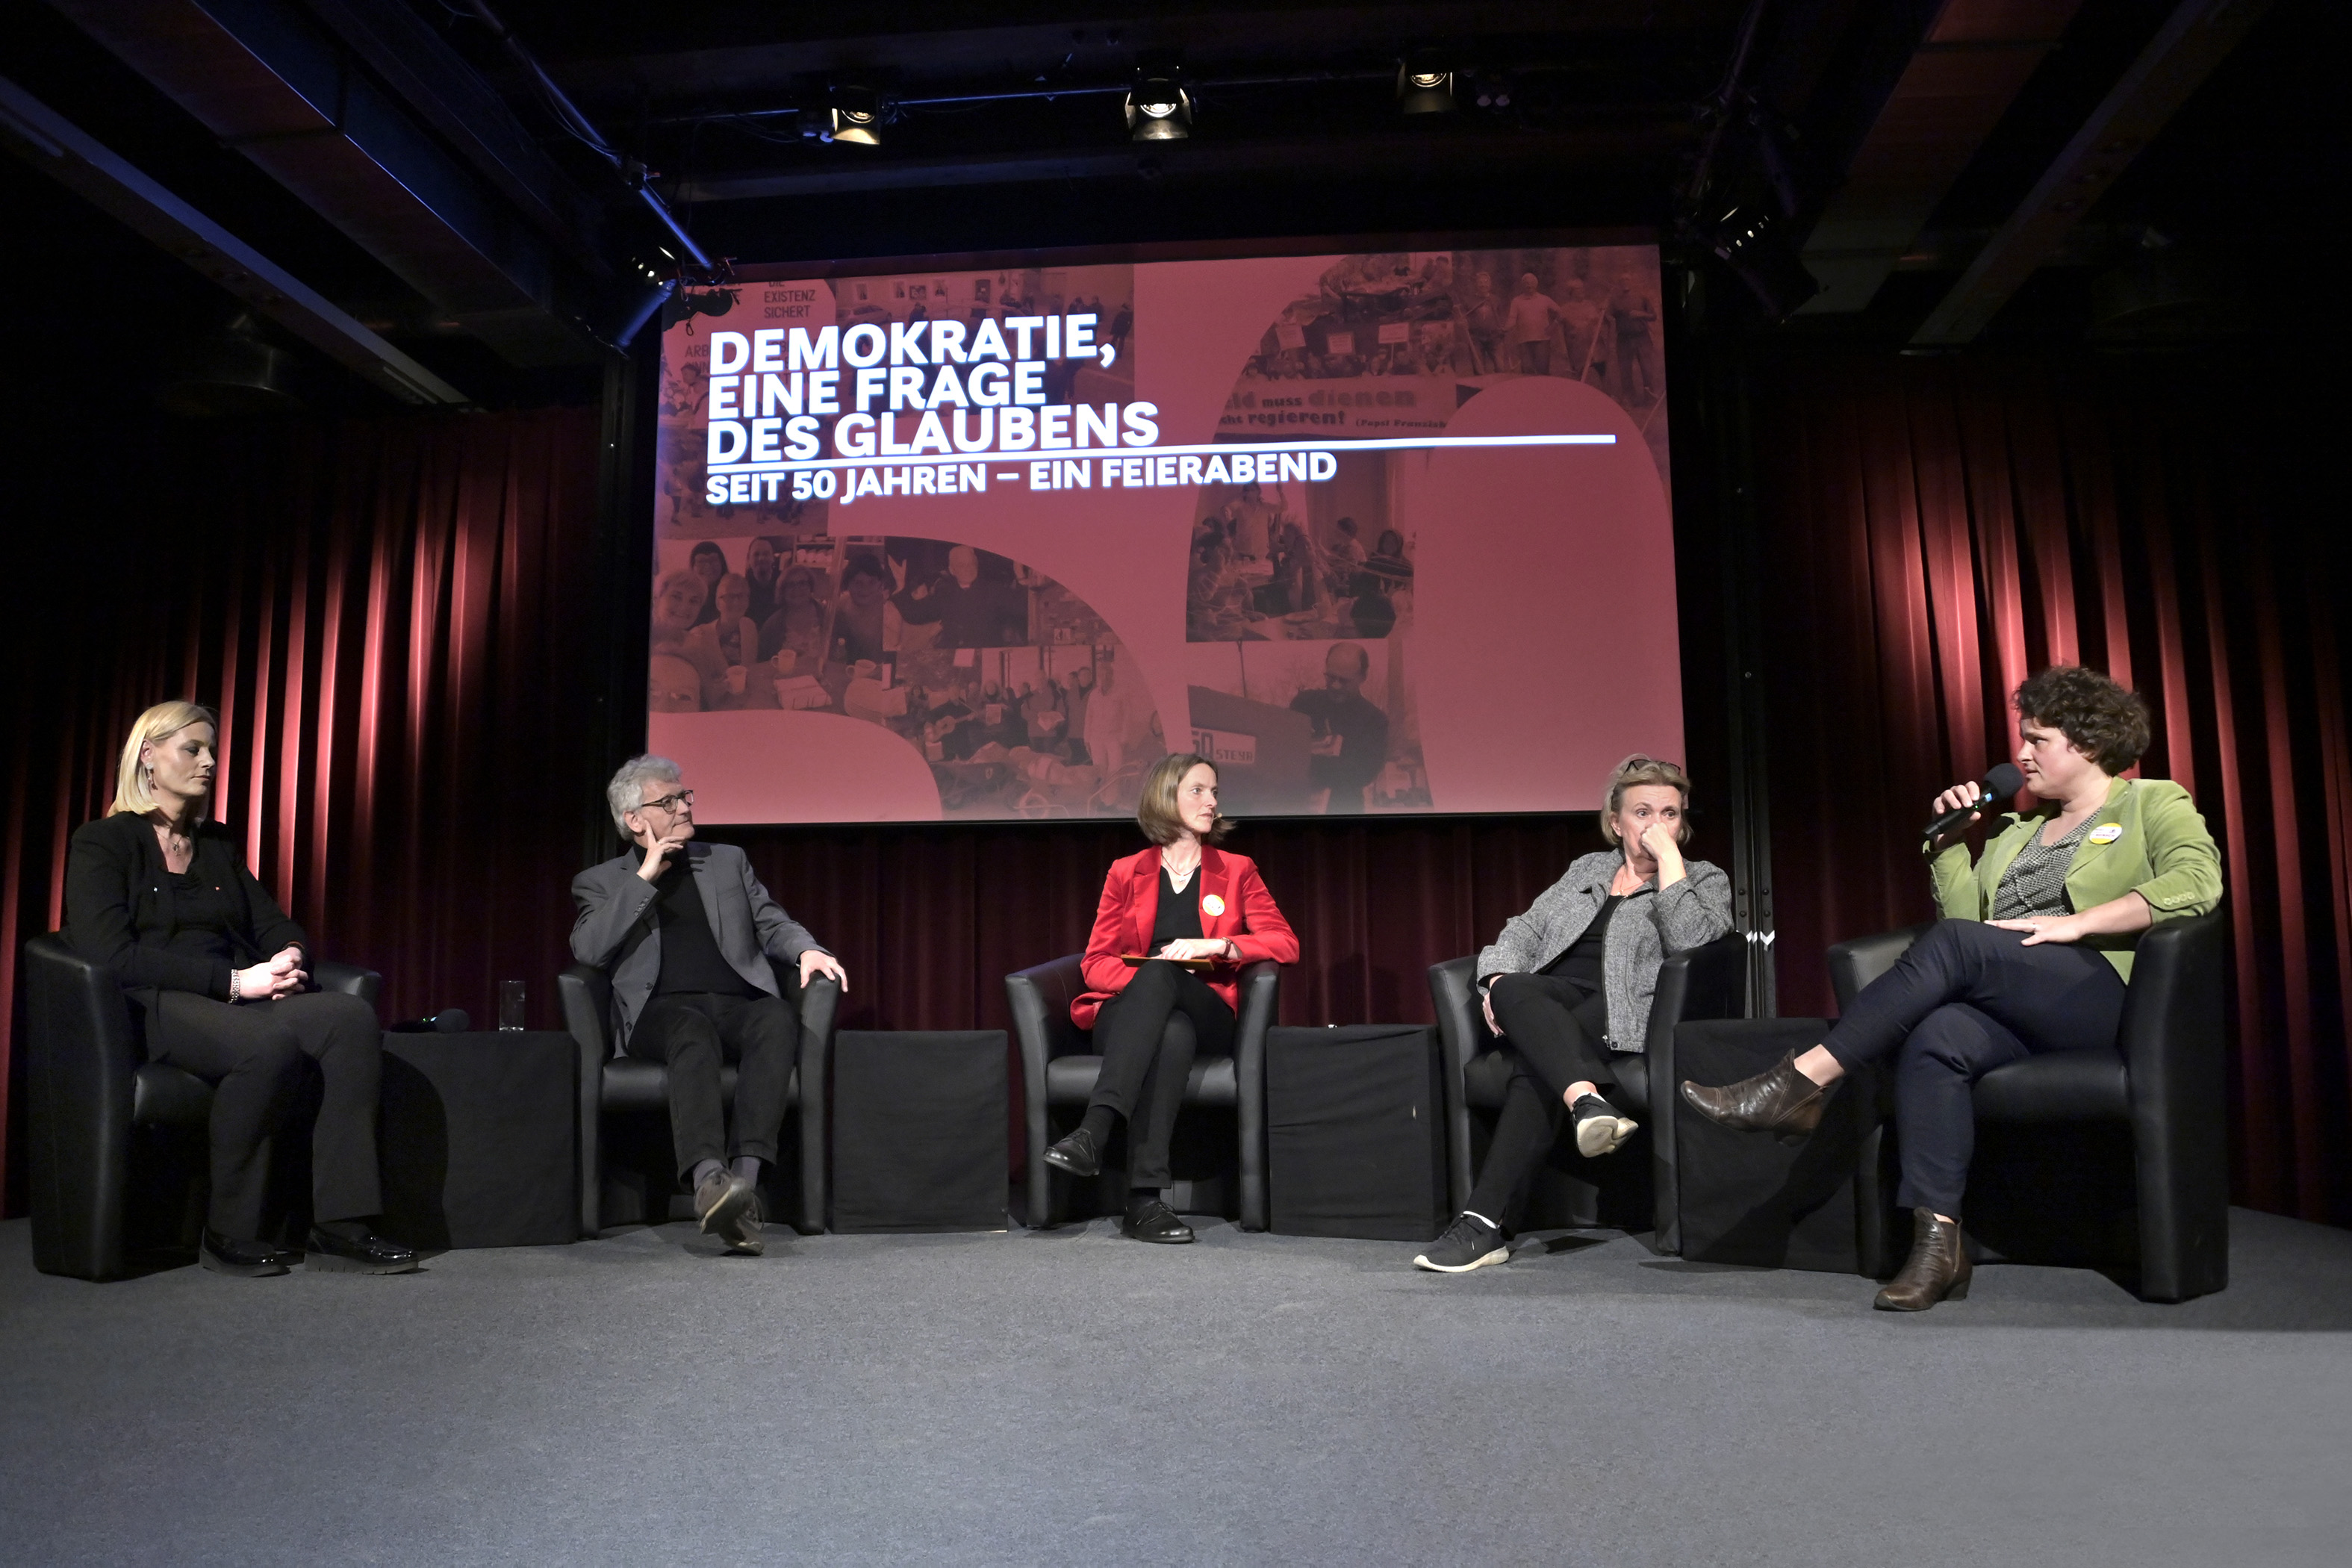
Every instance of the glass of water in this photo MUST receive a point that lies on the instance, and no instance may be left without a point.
(510, 1004)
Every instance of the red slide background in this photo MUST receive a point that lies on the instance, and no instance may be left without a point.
(1534, 643)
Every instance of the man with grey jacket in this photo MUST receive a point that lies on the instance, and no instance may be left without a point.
(685, 930)
(1568, 985)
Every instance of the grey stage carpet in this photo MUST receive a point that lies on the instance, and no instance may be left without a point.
(1073, 1398)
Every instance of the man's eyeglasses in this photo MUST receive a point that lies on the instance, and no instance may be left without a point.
(670, 802)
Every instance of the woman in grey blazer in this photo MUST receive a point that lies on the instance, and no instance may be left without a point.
(1568, 985)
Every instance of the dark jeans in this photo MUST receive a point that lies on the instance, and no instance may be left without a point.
(1964, 999)
(253, 1054)
(695, 1033)
(1148, 1036)
(1553, 1029)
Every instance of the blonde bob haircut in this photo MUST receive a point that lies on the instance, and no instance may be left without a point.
(1156, 812)
(159, 723)
(1637, 770)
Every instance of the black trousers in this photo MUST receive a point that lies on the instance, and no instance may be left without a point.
(254, 1054)
(696, 1033)
(1553, 1029)
(1148, 1035)
(1964, 999)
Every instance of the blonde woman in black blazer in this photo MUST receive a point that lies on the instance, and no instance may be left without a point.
(158, 894)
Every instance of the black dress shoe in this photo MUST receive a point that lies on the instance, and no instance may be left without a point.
(1078, 1155)
(1155, 1220)
(370, 1254)
(243, 1260)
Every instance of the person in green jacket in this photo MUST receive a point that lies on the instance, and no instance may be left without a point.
(2031, 954)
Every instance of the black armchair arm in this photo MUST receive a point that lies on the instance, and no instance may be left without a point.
(82, 1052)
(348, 978)
(1462, 1033)
(586, 997)
(1040, 999)
(2173, 1053)
(820, 1005)
(1260, 995)
(1855, 964)
(1706, 982)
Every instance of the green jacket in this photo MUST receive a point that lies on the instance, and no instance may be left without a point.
(2162, 852)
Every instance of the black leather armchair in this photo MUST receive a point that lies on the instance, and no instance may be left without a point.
(1709, 981)
(2088, 1158)
(1058, 1068)
(628, 1164)
(92, 1095)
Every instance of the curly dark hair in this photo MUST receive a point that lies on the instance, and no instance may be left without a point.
(2106, 723)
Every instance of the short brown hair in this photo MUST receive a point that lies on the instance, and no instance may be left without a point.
(1638, 769)
(1156, 812)
(2106, 721)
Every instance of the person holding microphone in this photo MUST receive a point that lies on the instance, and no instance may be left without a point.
(1178, 906)
(2031, 954)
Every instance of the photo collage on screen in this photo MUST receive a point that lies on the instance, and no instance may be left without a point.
(1008, 685)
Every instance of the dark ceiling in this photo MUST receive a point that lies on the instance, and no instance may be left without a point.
(2129, 171)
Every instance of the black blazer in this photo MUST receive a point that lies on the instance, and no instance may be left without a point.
(119, 910)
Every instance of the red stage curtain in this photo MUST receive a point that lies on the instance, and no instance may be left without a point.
(386, 615)
(1938, 529)
(392, 615)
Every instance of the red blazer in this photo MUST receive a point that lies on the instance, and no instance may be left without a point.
(1244, 911)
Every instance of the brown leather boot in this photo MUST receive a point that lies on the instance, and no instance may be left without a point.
(1782, 1100)
(1938, 1269)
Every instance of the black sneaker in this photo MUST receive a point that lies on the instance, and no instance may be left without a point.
(1598, 1129)
(1468, 1243)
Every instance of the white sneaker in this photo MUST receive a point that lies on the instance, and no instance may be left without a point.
(1598, 1129)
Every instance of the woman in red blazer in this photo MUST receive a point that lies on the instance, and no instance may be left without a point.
(1180, 899)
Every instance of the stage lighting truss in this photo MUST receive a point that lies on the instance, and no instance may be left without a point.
(1158, 107)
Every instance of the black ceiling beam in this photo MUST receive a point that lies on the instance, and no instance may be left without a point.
(267, 78)
(963, 41)
(435, 81)
(63, 151)
(848, 171)
(2192, 41)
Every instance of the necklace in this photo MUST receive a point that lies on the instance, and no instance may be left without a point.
(1179, 877)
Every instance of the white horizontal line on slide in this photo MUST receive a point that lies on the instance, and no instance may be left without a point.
(1214, 448)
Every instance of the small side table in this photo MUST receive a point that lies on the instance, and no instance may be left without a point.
(1747, 1197)
(478, 1138)
(1356, 1132)
(921, 1130)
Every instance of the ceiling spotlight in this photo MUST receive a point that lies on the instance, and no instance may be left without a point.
(854, 114)
(1749, 242)
(1158, 108)
(1424, 87)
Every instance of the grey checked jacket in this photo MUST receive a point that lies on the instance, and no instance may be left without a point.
(1648, 925)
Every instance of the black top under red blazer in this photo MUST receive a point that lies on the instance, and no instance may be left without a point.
(1234, 904)
(120, 911)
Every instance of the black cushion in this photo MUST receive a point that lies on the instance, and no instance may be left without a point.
(166, 1096)
(2062, 1086)
(1070, 1080)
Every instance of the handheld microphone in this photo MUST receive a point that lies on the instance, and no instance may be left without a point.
(1998, 783)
